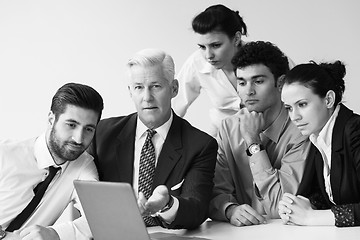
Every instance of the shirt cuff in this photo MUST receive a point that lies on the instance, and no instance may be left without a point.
(344, 215)
(226, 206)
(75, 230)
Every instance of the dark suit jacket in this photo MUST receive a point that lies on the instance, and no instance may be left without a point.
(345, 165)
(187, 153)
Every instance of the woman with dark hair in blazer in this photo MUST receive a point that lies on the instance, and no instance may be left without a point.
(330, 189)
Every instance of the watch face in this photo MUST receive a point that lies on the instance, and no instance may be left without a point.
(254, 148)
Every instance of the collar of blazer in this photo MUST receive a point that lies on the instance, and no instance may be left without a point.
(338, 131)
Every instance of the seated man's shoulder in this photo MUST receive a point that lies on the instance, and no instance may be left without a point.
(111, 128)
(12, 144)
(230, 124)
(231, 120)
(85, 160)
(114, 122)
(195, 133)
(295, 135)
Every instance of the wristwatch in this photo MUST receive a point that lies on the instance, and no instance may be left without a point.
(254, 148)
(2, 233)
(168, 205)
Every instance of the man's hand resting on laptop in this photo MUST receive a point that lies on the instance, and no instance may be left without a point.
(156, 202)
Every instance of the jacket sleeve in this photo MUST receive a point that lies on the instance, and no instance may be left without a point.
(349, 214)
(346, 214)
(197, 188)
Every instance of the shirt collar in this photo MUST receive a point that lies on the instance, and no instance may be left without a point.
(326, 132)
(275, 129)
(42, 154)
(162, 131)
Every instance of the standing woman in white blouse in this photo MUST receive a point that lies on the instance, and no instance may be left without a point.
(219, 30)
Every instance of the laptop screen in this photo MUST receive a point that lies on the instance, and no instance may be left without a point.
(111, 210)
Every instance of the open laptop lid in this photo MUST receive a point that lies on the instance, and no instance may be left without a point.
(111, 210)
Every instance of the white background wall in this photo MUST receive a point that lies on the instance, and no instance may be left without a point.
(46, 43)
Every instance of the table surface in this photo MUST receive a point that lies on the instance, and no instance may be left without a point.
(273, 229)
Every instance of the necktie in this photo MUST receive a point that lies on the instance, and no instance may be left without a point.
(146, 171)
(39, 191)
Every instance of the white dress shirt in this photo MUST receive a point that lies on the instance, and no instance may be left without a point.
(158, 140)
(323, 143)
(23, 164)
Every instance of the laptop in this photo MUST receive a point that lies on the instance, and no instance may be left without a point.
(112, 212)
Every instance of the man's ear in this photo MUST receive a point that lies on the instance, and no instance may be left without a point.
(174, 88)
(129, 91)
(280, 82)
(51, 118)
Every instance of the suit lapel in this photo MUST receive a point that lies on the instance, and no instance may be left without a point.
(337, 164)
(125, 150)
(319, 165)
(170, 154)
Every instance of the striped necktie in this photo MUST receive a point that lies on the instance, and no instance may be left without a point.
(146, 171)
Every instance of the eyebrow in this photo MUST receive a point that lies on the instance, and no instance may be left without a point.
(296, 102)
(303, 99)
(74, 121)
(212, 43)
(253, 77)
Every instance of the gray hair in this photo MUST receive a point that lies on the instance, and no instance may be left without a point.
(153, 57)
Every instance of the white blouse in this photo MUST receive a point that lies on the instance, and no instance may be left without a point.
(323, 143)
(198, 75)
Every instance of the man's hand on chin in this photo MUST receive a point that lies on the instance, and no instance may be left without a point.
(251, 124)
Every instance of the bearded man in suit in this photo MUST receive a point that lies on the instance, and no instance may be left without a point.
(185, 157)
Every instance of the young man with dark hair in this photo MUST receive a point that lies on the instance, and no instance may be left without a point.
(37, 175)
(261, 152)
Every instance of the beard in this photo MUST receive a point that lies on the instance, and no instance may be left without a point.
(62, 150)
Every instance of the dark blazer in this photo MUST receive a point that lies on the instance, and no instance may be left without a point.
(187, 154)
(345, 165)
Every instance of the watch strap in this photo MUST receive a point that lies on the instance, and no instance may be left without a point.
(168, 205)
